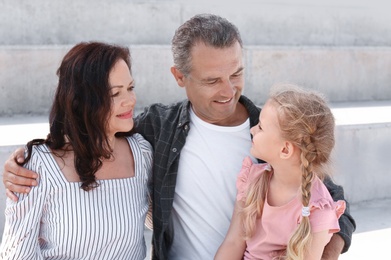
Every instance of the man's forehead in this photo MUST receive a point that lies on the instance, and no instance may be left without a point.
(208, 60)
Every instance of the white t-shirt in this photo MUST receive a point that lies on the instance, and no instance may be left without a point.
(206, 187)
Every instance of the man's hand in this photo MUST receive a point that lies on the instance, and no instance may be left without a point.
(15, 177)
(334, 248)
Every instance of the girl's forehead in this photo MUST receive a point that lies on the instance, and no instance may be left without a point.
(269, 113)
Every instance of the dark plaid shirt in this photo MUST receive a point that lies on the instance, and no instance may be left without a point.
(166, 128)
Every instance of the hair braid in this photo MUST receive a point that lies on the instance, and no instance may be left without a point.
(306, 121)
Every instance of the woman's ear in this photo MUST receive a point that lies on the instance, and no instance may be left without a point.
(178, 75)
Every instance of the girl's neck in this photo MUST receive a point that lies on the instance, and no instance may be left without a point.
(284, 185)
(289, 176)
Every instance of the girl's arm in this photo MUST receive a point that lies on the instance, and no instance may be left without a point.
(318, 243)
(234, 245)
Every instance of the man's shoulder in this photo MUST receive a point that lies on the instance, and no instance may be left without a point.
(165, 108)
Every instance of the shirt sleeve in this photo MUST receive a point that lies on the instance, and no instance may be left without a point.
(147, 152)
(325, 215)
(22, 219)
(346, 221)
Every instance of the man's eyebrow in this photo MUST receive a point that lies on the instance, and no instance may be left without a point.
(212, 79)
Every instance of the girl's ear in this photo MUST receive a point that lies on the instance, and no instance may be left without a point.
(287, 150)
(178, 75)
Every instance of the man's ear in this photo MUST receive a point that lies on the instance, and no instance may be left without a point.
(287, 150)
(179, 77)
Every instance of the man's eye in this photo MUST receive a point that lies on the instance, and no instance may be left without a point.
(211, 82)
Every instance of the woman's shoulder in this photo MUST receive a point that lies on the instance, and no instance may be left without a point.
(39, 155)
(138, 139)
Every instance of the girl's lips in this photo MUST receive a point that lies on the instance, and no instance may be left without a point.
(126, 115)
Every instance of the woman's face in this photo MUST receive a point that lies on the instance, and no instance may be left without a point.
(123, 99)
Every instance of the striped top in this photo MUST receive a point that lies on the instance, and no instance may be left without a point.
(59, 220)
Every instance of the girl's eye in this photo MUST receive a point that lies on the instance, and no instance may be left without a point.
(259, 126)
(115, 94)
(130, 88)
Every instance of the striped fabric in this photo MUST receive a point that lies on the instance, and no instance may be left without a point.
(59, 220)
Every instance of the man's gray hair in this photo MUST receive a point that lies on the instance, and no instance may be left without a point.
(212, 30)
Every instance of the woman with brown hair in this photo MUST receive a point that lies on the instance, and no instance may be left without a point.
(91, 199)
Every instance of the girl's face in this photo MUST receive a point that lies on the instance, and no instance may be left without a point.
(267, 141)
(123, 99)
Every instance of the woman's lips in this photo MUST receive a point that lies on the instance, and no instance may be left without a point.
(126, 115)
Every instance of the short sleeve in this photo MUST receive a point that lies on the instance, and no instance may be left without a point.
(325, 214)
(147, 152)
(248, 173)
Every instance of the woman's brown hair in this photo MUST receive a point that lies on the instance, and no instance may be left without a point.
(81, 107)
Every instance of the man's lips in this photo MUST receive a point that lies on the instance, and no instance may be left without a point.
(223, 101)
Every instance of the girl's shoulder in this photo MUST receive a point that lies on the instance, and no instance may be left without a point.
(249, 172)
(322, 202)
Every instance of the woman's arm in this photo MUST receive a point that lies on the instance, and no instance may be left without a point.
(234, 245)
(22, 222)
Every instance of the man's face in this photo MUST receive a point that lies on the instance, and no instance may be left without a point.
(215, 83)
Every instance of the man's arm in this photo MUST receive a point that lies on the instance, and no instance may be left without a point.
(15, 177)
(334, 248)
(340, 242)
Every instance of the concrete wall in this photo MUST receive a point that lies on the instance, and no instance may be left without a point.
(28, 78)
(361, 161)
(342, 48)
(261, 22)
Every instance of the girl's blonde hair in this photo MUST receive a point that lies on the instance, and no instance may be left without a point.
(305, 120)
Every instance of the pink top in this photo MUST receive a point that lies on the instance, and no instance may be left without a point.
(278, 223)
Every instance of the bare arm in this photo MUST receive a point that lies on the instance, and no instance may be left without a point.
(318, 243)
(15, 177)
(234, 244)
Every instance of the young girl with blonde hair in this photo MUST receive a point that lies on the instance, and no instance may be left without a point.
(283, 209)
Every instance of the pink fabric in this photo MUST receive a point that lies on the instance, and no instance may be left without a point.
(278, 223)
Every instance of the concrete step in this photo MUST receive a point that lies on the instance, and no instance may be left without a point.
(343, 74)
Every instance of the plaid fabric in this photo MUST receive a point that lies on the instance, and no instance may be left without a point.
(166, 128)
